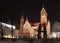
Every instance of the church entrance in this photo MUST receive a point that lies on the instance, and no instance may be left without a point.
(42, 33)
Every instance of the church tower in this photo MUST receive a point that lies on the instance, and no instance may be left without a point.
(42, 31)
(21, 24)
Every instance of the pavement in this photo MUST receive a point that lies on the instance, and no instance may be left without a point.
(29, 40)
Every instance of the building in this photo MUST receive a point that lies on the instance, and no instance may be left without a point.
(17, 33)
(8, 30)
(56, 30)
(40, 29)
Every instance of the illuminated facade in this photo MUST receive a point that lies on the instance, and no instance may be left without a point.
(40, 29)
(45, 24)
(8, 30)
(26, 28)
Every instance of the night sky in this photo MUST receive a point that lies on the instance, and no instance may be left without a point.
(11, 10)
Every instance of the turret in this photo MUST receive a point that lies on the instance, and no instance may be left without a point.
(26, 18)
(43, 15)
(21, 24)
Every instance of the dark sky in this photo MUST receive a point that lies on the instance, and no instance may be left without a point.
(11, 10)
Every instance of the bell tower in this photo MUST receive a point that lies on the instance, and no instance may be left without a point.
(21, 24)
(43, 15)
(43, 22)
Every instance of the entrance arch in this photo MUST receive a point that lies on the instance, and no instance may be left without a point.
(42, 32)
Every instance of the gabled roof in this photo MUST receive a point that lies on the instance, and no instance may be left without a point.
(27, 24)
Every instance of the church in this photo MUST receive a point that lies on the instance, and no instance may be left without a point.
(35, 30)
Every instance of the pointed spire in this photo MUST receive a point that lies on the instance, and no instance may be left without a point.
(43, 11)
(26, 18)
(22, 18)
(43, 6)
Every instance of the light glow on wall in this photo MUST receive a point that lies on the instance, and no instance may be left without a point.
(9, 26)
